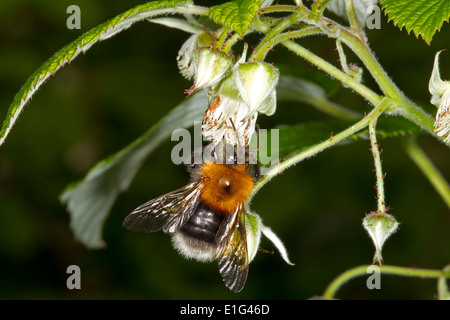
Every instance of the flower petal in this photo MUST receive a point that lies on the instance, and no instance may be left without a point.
(436, 85)
(277, 242)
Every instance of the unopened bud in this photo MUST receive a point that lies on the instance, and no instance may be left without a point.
(185, 58)
(255, 81)
(380, 227)
(210, 67)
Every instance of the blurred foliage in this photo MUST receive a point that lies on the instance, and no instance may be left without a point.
(108, 97)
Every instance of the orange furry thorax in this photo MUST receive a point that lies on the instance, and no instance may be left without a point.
(225, 188)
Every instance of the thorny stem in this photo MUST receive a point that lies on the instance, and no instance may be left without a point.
(342, 57)
(262, 49)
(230, 42)
(365, 92)
(357, 43)
(403, 106)
(320, 146)
(278, 8)
(381, 208)
(220, 42)
(337, 283)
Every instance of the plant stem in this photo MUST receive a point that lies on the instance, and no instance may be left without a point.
(358, 44)
(279, 8)
(262, 49)
(220, 42)
(365, 92)
(403, 106)
(320, 146)
(342, 57)
(230, 42)
(429, 170)
(352, 16)
(381, 208)
(334, 286)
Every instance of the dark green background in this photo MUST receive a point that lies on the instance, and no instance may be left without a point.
(105, 99)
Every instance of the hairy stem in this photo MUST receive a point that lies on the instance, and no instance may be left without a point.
(230, 42)
(223, 35)
(381, 208)
(279, 8)
(342, 57)
(356, 41)
(319, 147)
(337, 283)
(352, 16)
(403, 105)
(262, 49)
(364, 91)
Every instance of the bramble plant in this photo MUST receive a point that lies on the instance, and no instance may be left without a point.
(233, 82)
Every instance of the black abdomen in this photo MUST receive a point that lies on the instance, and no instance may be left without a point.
(203, 224)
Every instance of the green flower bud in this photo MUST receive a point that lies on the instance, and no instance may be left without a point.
(380, 227)
(185, 58)
(210, 67)
(256, 81)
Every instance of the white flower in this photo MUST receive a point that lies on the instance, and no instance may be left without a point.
(254, 229)
(440, 97)
(380, 227)
(232, 114)
(225, 115)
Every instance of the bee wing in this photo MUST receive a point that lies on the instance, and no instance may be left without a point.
(168, 212)
(232, 252)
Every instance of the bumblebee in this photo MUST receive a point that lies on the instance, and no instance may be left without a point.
(206, 217)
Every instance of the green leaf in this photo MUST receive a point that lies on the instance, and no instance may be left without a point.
(90, 200)
(297, 138)
(424, 18)
(236, 14)
(179, 24)
(67, 54)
